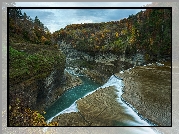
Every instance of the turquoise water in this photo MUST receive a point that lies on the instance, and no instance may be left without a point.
(70, 96)
(67, 102)
(68, 99)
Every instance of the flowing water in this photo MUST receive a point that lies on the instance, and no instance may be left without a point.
(67, 103)
(148, 89)
(62, 105)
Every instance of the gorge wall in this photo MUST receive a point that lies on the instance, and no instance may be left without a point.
(98, 66)
(39, 72)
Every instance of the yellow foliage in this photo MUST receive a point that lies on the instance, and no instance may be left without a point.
(96, 46)
(151, 41)
(56, 46)
(21, 116)
(92, 34)
(123, 32)
(96, 38)
(117, 35)
(43, 39)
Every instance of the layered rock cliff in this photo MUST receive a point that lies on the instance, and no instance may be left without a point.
(34, 73)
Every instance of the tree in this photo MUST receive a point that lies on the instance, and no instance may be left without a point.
(15, 14)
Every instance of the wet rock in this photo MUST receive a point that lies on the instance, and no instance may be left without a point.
(148, 90)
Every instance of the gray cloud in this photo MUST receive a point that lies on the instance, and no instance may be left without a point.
(41, 14)
(55, 19)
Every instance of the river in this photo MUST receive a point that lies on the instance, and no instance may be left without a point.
(70, 97)
(67, 103)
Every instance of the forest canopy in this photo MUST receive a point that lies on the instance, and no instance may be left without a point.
(148, 32)
(22, 28)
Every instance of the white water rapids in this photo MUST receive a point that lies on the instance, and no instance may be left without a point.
(117, 83)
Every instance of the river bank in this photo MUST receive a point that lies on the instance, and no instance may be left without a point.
(102, 107)
(148, 90)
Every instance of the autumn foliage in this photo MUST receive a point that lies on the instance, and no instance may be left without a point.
(19, 115)
(148, 31)
(22, 28)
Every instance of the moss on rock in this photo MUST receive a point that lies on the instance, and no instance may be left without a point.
(30, 60)
(29, 66)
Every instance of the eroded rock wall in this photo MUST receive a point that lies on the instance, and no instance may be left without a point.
(35, 93)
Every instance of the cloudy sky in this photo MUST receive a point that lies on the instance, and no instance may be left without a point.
(55, 19)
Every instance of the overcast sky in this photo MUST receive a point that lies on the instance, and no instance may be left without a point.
(55, 19)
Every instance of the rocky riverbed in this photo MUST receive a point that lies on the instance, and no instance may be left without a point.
(147, 89)
(97, 109)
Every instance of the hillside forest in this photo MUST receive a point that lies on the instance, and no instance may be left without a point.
(148, 32)
(34, 50)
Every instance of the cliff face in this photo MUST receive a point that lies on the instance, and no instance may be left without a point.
(45, 88)
(99, 66)
(43, 73)
(36, 93)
